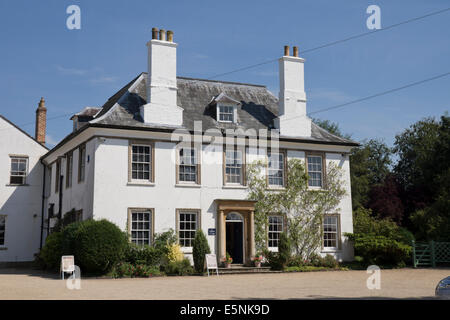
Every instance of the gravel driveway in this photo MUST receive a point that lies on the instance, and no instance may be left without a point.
(401, 283)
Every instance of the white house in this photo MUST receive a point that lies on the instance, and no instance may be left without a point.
(21, 203)
(125, 161)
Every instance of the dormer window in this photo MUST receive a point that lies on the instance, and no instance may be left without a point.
(226, 108)
(226, 113)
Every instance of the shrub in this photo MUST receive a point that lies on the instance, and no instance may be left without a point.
(174, 253)
(381, 250)
(179, 268)
(162, 239)
(96, 245)
(50, 255)
(279, 260)
(145, 254)
(125, 269)
(284, 249)
(380, 242)
(200, 249)
(329, 262)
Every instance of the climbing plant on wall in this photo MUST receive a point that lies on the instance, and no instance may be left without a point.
(302, 206)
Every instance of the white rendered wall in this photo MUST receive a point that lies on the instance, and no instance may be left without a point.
(20, 204)
(114, 195)
(80, 195)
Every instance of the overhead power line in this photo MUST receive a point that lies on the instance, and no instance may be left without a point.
(375, 95)
(329, 44)
(310, 50)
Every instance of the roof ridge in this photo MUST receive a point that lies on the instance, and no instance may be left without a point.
(220, 81)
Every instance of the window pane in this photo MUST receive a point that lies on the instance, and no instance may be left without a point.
(188, 165)
(276, 169)
(315, 171)
(330, 231)
(141, 227)
(187, 228)
(140, 162)
(275, 229)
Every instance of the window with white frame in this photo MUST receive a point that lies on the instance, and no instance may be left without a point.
(275, 229)
(2, 230)
(187, 226)
(187, 169)
(330, 231)
(276, 169)
(234, 166)
(226, 113)
(141, 227)
(19, 168)
(141, 162)
(69, 169)
(315, 172)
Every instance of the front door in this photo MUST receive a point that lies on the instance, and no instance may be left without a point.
(235, 243)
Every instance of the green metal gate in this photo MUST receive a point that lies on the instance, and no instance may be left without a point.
(430, 253)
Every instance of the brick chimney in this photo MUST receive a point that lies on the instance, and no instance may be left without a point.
(41, 122)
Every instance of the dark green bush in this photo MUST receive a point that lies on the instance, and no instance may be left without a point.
(136, 254)
(96, 245)
(179, 268)
(163, 239)
(279, 260)
(200, 249)
(50, 255)
(381, 250)
(380, 242)
(329, 262)
(124, 269)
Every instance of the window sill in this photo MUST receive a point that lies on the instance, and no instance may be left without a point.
(276, 188)
(17, 185)
(187, 185)
(140, 184)
(237, 186)
(331, 250)
(187, 250)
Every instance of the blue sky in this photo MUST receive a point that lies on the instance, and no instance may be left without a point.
(72, 69)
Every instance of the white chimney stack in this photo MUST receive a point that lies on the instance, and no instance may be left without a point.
(161, 107)
(292, 119)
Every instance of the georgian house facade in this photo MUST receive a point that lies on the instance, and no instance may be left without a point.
(171, 152)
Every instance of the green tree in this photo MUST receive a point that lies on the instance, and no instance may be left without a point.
(200, 249)
(369, 166)
(331, 127)
(302, 206)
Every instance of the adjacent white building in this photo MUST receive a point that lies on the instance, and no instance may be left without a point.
(171, 152)
(21, 185)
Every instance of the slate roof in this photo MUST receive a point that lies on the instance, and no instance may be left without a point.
(87, 112)
(258, 108)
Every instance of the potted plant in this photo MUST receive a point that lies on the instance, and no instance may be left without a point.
(257, 260)
(227, 260)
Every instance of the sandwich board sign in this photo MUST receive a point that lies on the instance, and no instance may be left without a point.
(211, 263)
(67, 265)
